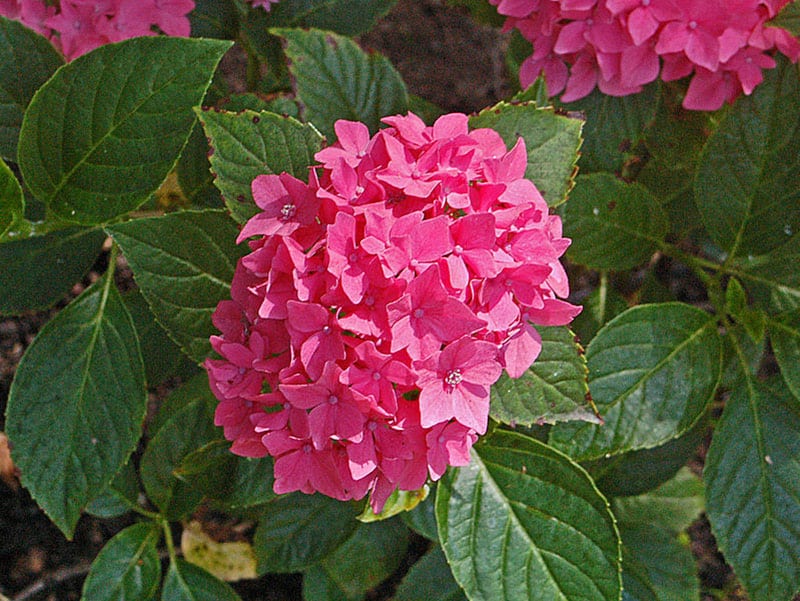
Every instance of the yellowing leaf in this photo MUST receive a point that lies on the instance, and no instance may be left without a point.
(229, 561)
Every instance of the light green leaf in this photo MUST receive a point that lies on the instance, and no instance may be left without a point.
(183, 263)
(784, 334)
(335, 79)
(249, 144)
(37, 271)
(12, 203)
(614, 125)
(752, 475)
(297, 531)
(27, 60)
(552, 141)
(430, 579)
(102, 134)
(552, 390)
(127, 568)
(187, 582)
(746, 184)
(348, 17)
(613, 225)
(93, 390)
(522, 521)
(667, 565)
(368, 557)
(189, 429)
(652, 371)
(673, 505)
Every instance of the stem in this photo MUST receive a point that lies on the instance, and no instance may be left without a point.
(168, 539)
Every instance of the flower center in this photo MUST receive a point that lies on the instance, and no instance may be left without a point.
(453, 377)
(288, 211)
(419, 313)
(333, 399)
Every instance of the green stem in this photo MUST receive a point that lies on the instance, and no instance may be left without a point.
(168, 539)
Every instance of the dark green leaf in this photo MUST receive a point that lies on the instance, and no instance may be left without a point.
(214, 19)
(118, 497)
(249, 144)
(194, 172)
(162, 357)
(93, 390)
(297, 531)
(600, 307)
(39, 270)
(552, 141)
(430, 579)
(746, 185)
(101, 135)
(187, 430)
(789, 18)
(348, 17)
(127, 568)
(774, 277)
(613, 225)
(668, 566)
(422, 519)
(613, 126)
(27, 60)
(195, 388)
(784, 333)
(368, 557)
(187, 582)
(672, 506)
(636, 472)
(183, 263)
(12, 203)
(335, 79)
(319, 586)
(652, 371)
(736, 305)
(522, 521)
(752, 476)
(552, 390)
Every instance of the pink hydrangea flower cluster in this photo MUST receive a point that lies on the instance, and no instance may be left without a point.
(265, 4)
(379, 303)
(78, 26)
(621, 45)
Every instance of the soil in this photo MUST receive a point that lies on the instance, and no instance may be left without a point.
(444, 57)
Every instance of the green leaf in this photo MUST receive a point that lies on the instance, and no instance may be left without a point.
(347, 17)
(600, 307)
(194, 172)
(422, 519)
(297, 531)
(430, 579)
(613, 126)
(522, 521)
(214, 19)
(187, 582)
(788, 18)
(118, 497)
(613, 225)
(12, 203)
(189, 429)
(746, 184)
(102, 134)
(84, 373)
(27, 60)
(668, 566)
(127, 568)
(335, 79)
(399, 502)
(319, 586)
(39, 270)
(368, 557)
(552, 390)
(784, 333)
(652, 372)
(195, 388)
(752, 475)
(774, 277)
(637, 472)
(249, 144)
(184, 264)
(162, 357)
(552, 141)
(736, 305)
(672, 506)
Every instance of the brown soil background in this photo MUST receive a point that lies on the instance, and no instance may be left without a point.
(444, 57)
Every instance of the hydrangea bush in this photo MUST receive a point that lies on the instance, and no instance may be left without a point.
(504, 333)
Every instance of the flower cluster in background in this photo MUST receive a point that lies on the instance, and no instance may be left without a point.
(379, 303)
(78, 26)
(621, 45)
